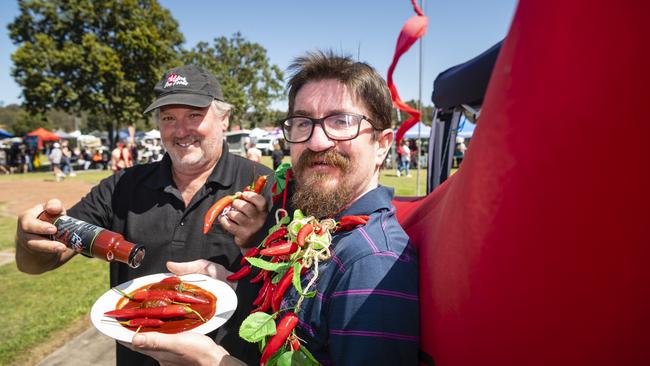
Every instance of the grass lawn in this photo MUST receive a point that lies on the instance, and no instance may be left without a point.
(36, 307)
(7, 229)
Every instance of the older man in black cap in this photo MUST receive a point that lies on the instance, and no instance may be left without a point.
(162, 205)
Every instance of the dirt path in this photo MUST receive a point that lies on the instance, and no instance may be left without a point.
(20, 195)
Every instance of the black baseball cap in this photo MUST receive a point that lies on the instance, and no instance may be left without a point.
(188, 85)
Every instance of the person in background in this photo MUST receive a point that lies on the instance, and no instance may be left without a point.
(84, 158)
(253, 153)
(133, 153)
(66, 159)
(120, 158)
(97, 161)
(162, 205)
(277, 155)
(20, 158)
(55, 157)
(366, 310)
(459, 152)
(405, 158)
(4, 167)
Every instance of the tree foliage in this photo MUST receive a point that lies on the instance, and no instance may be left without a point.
(248, 80)
(98, 56)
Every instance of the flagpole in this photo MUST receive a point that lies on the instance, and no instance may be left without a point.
(418, 141)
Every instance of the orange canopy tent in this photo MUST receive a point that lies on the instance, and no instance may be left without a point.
(43, 135)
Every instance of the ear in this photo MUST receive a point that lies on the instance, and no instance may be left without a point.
(384, 141)
(225, 121)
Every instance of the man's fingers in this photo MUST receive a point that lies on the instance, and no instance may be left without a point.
(255, 199)
(45, 246)
(228, 225)
(33, 233)
(182, 268)
(54, 207)
(200, 266)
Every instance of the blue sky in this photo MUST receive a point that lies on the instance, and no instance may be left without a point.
(367, 29)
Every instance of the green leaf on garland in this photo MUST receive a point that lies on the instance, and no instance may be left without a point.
(261, 263)
(256, 327)
(296, 278)
(285, 359)
(302, 357)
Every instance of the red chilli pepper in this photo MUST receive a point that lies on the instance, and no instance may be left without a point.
(303, 233)
(174, 295)
(259, 184)
(143, 322)
(251, 253)
(173, 280)
(283, 330)
(258, 277)
(281, 288)
(243, 272)
(266, 303)
(171, 311)
(215, 210)
(260, 296)
(278, 234)
(352, 221)
(282, 249)
(295, 343)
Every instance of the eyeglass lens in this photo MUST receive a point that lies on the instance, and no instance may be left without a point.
(337, 127)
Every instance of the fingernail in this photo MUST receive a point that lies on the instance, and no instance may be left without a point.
(138, 340)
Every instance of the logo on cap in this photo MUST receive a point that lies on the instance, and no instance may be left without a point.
(175, 79)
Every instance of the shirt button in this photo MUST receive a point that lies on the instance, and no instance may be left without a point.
(182, 223)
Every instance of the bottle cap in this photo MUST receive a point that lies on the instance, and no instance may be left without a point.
(136, 256)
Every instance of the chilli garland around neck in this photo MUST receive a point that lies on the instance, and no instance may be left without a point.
(292, 247)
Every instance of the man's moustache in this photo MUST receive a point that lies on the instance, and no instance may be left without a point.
(330, 157)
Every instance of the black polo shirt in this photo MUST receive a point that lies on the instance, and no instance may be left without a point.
(143, 204)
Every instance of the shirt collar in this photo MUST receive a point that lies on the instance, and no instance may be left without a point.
(222, 173)
(375, 200)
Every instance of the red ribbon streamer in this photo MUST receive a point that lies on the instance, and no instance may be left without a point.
(413, 29)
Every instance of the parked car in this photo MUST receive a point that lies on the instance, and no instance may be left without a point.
(237, 141)
(265, 144)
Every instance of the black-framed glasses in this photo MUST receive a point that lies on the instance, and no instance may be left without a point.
(338, 126)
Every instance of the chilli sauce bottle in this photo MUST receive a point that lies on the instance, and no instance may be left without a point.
(94, 241)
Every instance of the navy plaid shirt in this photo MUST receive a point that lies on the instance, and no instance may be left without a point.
(366, 308)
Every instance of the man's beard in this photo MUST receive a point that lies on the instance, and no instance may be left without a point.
(309, 195)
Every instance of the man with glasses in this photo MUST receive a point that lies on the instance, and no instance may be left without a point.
(366, 308)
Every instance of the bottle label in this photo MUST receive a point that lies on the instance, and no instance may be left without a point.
(76, 234)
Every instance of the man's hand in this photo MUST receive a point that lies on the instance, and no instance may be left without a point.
(181, 349)
(246, 218)
(35, 252)
(201, 266)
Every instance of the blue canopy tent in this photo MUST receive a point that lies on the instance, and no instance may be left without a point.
(4, 134)
(418, 130)
(466, 129)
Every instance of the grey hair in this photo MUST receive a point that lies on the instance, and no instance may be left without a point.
(219, 107)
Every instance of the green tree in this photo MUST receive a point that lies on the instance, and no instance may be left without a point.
(27, 122)
(248, 80)
(102, 57)
(9, 115)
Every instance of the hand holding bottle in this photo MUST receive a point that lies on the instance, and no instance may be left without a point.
(36, 252)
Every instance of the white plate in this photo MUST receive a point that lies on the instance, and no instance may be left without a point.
(226, 304)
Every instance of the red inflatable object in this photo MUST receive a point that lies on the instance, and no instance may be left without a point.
(537, 251)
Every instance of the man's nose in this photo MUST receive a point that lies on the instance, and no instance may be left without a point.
(319, 140)
(183, 126)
